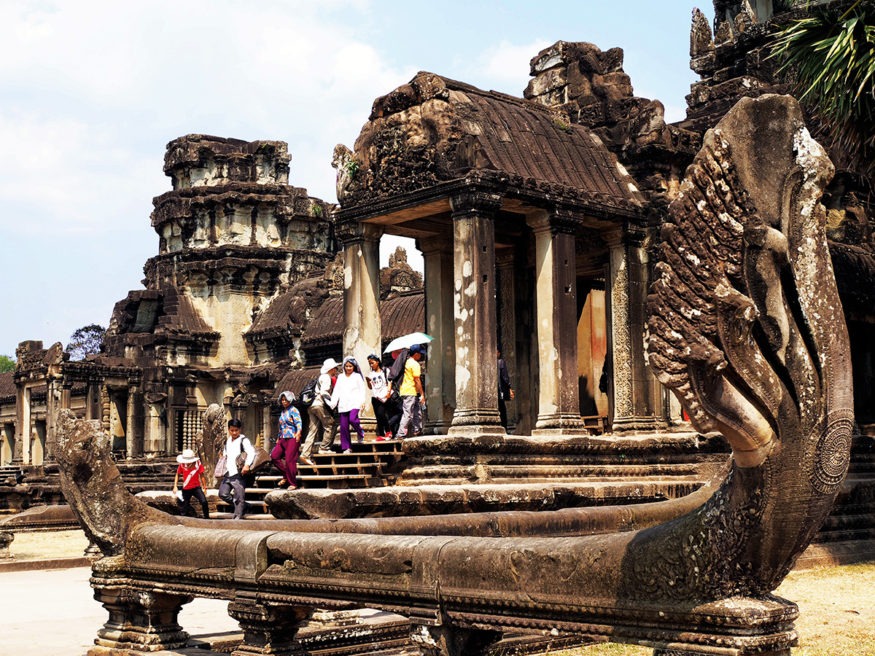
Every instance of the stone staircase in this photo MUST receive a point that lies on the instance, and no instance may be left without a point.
(12, 472)
(371, 464)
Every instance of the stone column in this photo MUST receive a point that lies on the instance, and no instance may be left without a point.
(440, 389)
(506, 301)
(54, 403)
(556, 307)
(155, 438)
(23, 428)
(140, 621)
(130, 420)
(447, 640)
(267, 425)
(636, 397)
(474, 315)
(361, 290)
(556, 311)
(268, 628)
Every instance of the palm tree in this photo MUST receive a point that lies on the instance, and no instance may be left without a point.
(830, 59)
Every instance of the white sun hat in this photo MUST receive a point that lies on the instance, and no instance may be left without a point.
(328, 365)
(186, 457)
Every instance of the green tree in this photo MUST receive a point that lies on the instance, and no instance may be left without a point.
(86, 341)
(6, 364)
(829, 56)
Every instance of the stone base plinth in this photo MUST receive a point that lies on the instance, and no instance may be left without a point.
(476, 430)
(558, 431)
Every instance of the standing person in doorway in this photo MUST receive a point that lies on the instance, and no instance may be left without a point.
(349, 399)
(285, 453)
(236, 444)
(505, 391)
(321, 417)
(191, 470)
(381, 391)
(412, 395)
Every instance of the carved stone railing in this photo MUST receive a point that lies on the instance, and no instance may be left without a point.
(745, 326)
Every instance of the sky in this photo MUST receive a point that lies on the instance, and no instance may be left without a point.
(91, 91)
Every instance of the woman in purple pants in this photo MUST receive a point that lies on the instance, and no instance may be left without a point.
(349, 399)
(284, 455)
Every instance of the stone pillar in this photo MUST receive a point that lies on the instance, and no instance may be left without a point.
(23, 428)
(447, 640)
(505, 272)
(440, 389)
(268, 628)
(54, 403)
(474, 315)
(267, 425)
(139, 621)
(6, 538)
(556, 307)
(130, 422)
(636, 395)
(361, 290)
(155, 427)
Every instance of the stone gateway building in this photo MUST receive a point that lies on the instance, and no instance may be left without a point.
(537, 217)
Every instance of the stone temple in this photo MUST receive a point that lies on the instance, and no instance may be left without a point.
(540, 219)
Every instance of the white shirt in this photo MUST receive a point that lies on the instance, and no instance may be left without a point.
(232, 450)
(379, 384)
(323, 390)
(349, 392)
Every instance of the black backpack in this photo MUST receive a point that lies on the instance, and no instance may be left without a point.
(308, 394)
(396, 371)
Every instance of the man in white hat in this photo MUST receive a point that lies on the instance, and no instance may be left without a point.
(191, 470)
(322, 424)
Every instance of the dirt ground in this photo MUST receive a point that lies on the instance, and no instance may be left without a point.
(45, 545)
(836, 614)
(836, 604)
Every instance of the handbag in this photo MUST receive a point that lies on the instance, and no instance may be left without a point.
(221, 467)
(262, 457)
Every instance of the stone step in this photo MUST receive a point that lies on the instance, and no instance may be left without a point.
(838, 522)
(844, 535)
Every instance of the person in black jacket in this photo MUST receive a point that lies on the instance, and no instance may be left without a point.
(505, 391)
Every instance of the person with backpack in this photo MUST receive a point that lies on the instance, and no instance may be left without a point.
(232, 481)
(284, 455)
(412, 395)
(191, 470)
(321, 418)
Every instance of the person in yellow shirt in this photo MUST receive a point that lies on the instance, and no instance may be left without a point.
(412, 396)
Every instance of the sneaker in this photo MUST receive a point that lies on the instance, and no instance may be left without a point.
(381, 438)
(325, 451)
(307, 461)
(347, 451)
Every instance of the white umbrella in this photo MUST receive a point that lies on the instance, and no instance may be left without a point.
(406, 341)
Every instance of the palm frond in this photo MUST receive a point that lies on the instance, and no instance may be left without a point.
(830, 59)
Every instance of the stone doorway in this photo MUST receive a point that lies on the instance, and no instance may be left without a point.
(7, 443)
(591, 349)
(118, 420)
(38, 442)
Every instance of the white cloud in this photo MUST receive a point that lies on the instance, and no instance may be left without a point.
(95, 89)
(505, 66)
